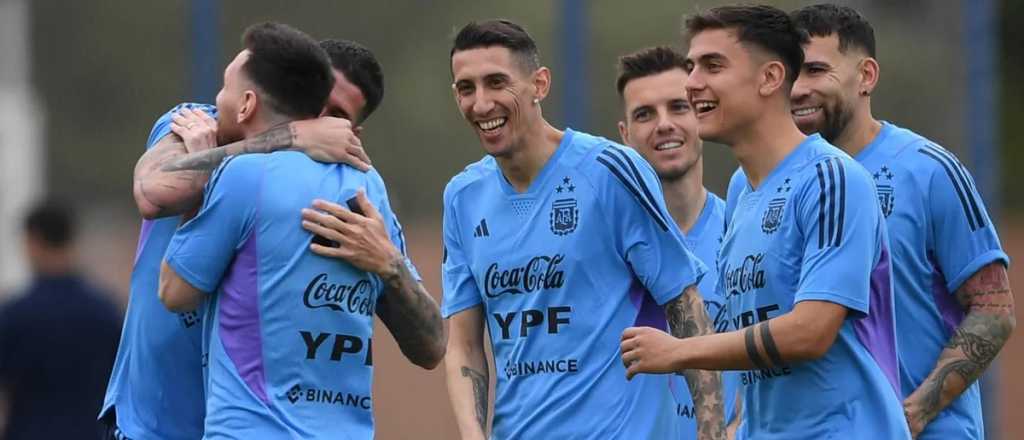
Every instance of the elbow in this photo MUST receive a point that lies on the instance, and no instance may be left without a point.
(148, 210)
(434, 354)
(811, 346)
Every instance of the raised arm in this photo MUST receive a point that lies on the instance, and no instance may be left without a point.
(406, 308)
(988, 301)
(687, 317)
(169, 178)
(468, 374)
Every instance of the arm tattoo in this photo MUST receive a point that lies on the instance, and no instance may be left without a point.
(171, 179)
(412, 316)
(975, 343)
(480, 383)
(687, 317)
(272, 140)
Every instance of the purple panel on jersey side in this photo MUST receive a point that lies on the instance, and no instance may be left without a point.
(951, 312)
(649, 313)
(876, 331)
(240, 318)
(147, 227)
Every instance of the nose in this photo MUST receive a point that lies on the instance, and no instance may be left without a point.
(800, 90)
(694, 82)
(665, 124)
(482, 104)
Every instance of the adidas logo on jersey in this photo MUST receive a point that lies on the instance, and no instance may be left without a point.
(481, 229)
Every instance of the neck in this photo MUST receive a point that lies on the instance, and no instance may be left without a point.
(54, 263)
(262, 123)
(685, 197)
(862, 129)
(524, 164)
(766, 142)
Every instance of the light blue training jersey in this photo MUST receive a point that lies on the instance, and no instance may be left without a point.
(288, 333)
(158, 371)
(560, 271)
(813, 231)
(940, 234)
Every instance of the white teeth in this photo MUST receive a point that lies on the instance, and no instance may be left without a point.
(668, 145)
(704, 106)
(492, 124)
(805, 111)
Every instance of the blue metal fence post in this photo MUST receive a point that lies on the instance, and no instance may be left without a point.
(573, 76)
(982, 113)
(204, 68)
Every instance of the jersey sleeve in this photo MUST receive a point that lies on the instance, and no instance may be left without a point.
(162, 126)
(202, 249)
(457, 281)
(965, 239)
(647, 236)
(391, 223)
(841, 221)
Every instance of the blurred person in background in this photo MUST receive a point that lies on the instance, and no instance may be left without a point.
(58, 339)
(954, 306)
(661, 126)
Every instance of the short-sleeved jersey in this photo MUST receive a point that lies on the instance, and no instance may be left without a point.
(158, 370)
(940, 234)
(288, 332)
(705, 239)
(560, 271)
(812, 231)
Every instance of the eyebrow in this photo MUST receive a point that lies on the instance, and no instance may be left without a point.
(712, 56)
(819, 64)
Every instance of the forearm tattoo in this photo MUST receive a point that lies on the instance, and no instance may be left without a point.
(975, 343)
(274, 139)
(411, 315)
(168, 168)
(687, 317)
(480, 382)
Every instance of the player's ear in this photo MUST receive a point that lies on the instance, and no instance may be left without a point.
(248, 107)
(771, 78)
(541, 83)
(623, 133)
(869, 71)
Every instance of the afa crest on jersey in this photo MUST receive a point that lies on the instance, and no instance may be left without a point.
(564, 216)
(883, 182)
(773, 215)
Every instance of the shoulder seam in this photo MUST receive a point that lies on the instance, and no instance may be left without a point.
(629, 176)
(962, 183)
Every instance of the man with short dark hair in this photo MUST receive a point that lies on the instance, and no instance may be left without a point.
(804, 261)
(288, 332)
(954, 308)
(555, 243)
(57, 339)
(158, 367)
(661, 126)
